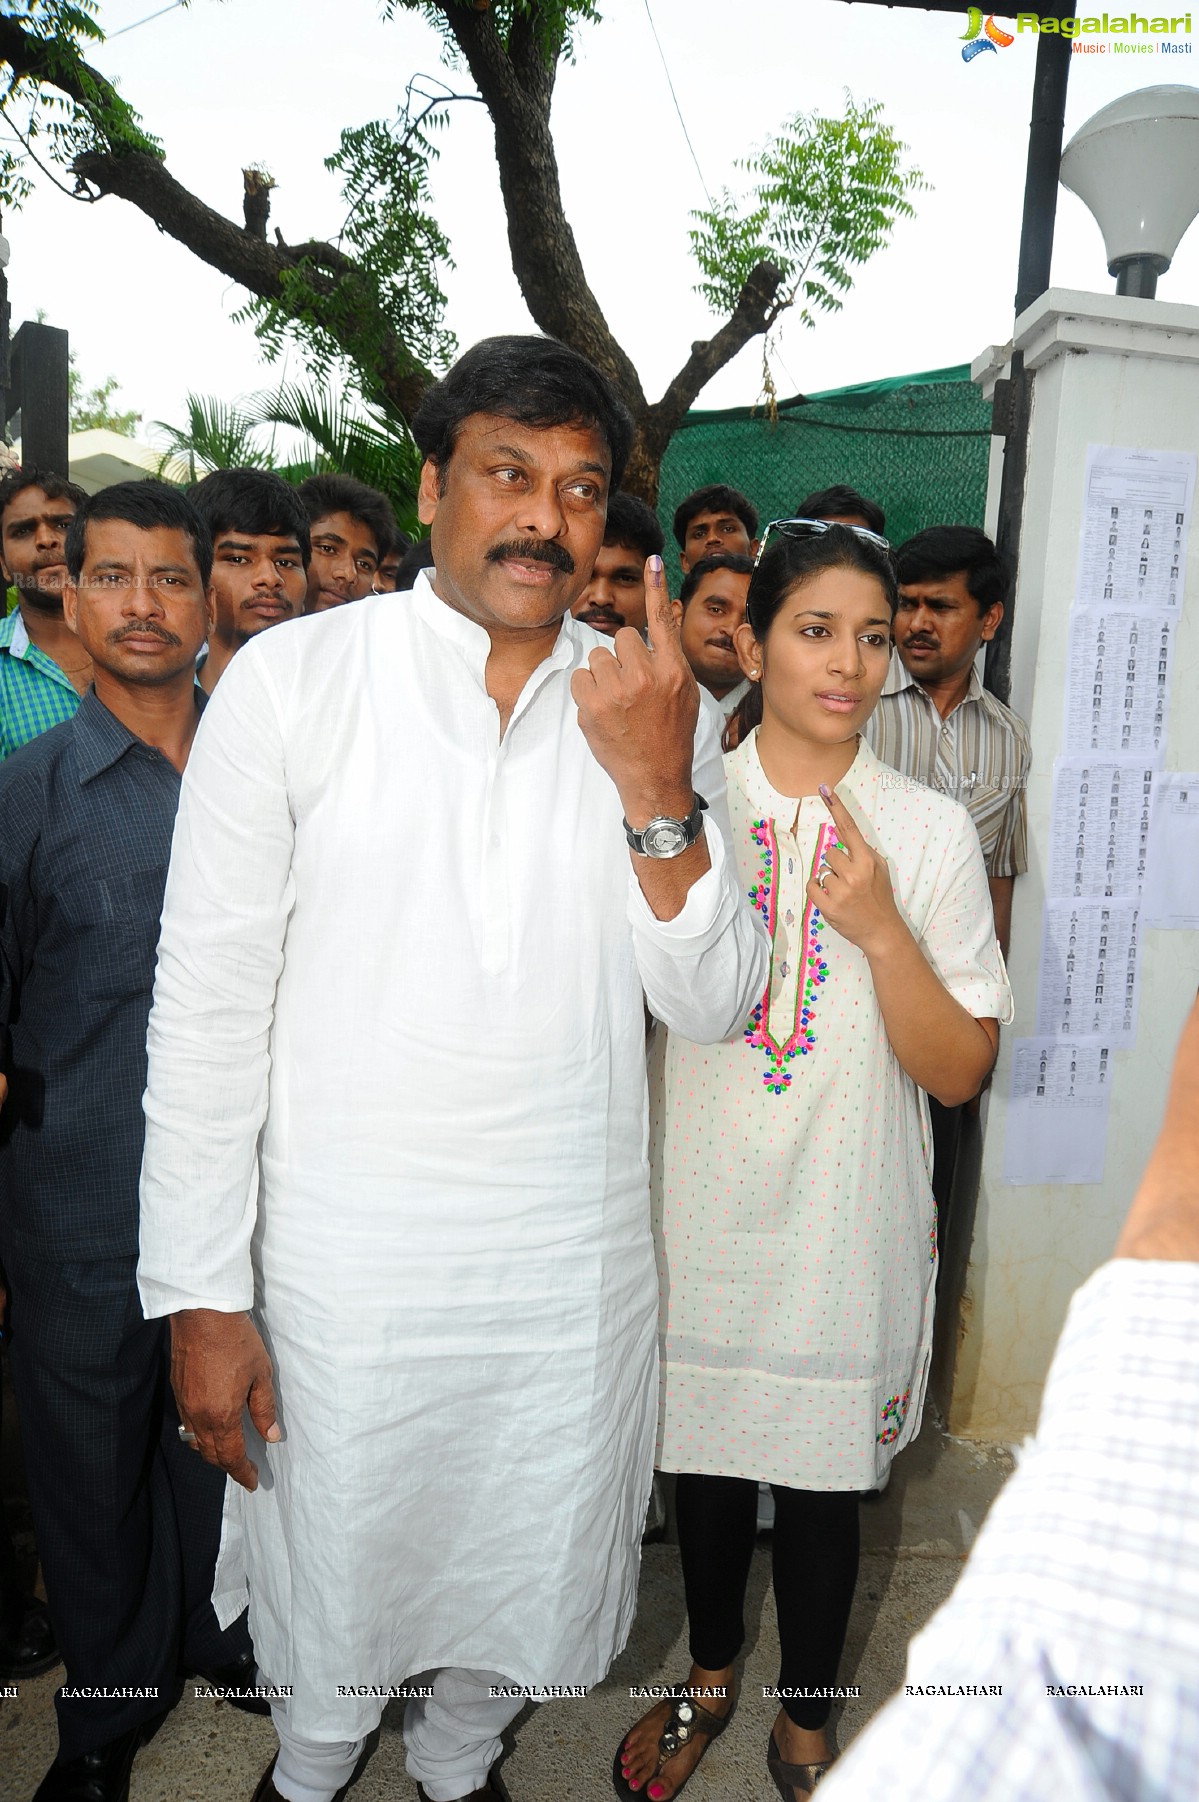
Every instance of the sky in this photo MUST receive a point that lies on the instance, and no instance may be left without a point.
(225, 83)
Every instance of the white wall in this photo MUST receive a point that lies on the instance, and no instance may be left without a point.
(1108, 370)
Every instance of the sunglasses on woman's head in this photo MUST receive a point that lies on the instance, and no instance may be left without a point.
(815, 528)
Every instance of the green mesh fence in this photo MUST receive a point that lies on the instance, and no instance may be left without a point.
(917, 444)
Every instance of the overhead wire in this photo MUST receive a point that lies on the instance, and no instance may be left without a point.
(678, 109)
(175, 4)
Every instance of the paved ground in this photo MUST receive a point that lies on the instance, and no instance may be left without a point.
(914, 1540)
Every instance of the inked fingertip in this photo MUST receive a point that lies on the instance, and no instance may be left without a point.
(826, 792)
(654, 562)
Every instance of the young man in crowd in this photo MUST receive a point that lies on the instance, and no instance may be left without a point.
(417, 557)
(260, 557)
(710, 607)
(387, 576)
(447, 1252)
(351, 528)
(128, 1520)
(843, 506)
(43, 667)
(615, 595)
(43, 672)
(713, 520)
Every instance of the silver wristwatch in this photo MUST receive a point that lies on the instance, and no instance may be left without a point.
(665, 837)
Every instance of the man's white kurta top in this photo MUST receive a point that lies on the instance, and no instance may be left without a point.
(401, 977)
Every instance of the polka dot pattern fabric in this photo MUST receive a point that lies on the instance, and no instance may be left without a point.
(795, 1223)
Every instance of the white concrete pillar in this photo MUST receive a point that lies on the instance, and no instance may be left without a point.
(1117, 371)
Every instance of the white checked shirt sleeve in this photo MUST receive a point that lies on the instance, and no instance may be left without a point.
(1080, 1600)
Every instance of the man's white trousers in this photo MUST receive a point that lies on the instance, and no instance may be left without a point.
(452, 1737)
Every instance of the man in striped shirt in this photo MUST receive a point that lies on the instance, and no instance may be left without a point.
(43, 668)
(935, 720)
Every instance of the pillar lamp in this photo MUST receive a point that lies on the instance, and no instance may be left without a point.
(1136, 165)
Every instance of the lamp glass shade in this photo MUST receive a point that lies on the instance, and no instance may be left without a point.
(1136, 165)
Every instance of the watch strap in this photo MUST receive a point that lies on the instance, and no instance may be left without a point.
(692, 826)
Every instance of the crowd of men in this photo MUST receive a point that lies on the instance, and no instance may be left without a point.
(131, 608)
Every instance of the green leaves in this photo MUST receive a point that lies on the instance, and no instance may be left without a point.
(92, 409)
(827, 196)
(379, 286)
(51, 100)
(337, 433)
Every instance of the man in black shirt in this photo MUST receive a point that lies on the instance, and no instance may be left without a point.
(127, 1517)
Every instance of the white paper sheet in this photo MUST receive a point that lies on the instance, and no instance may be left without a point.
(1136, 515)
(1171, 892)
(1117, 681)
(1057, 1118)
(1099, 835)
(1089, 971)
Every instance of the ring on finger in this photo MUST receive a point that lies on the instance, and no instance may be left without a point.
(187, 1436)
(822, 877)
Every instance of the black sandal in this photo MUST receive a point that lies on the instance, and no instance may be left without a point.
(687, 1717)
(791, 1780)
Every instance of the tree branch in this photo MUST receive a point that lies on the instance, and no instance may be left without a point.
(758, 306)
(147, 184)
(517, 86)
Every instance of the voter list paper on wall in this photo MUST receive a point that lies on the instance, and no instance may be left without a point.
(1057, 1113)
(1171, 889)
(1118, 681)
(1099, 844)
(1136, 515)
(1089, 985)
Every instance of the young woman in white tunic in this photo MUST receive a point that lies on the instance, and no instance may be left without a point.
(795, 1222)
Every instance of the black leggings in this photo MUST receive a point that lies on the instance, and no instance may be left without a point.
(816, 1544)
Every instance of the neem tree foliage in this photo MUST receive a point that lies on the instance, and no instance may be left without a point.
(819, 198)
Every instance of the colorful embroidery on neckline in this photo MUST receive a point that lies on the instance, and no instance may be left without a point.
(894, 1413)
(813, 968)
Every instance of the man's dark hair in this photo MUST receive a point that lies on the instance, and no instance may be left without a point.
(146, 505)
(631, 522)
(54, 487)
(716, 498)
(950, 551)
(325, 494)
(536, 381)
(252, 501)
(417, 557)
(840, 502)
(707, 566)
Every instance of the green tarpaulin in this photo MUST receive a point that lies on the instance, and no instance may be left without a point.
(917, 444)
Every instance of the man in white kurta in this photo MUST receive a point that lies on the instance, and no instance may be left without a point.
(397, 1108)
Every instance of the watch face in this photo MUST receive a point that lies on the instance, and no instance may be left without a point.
(664, 838)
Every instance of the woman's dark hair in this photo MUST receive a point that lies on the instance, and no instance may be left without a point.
(145, 505)
(785, 564)
(535, 381)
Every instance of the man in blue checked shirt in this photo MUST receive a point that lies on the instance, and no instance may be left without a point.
(43, 667)
(127, 1517)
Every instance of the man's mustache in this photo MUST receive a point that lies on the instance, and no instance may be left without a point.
(143, 629)
(533, 550)
(927, 644)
